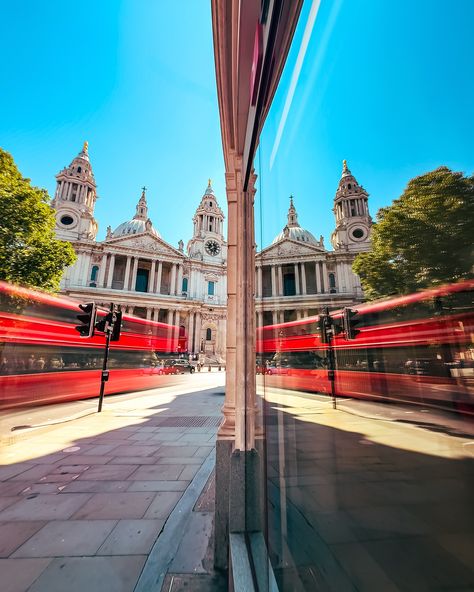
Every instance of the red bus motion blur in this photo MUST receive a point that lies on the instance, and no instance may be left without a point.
(44, 360)
(411, 349)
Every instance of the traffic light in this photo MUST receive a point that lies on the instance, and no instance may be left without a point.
(325, 328)
(117, 325)
(112, 322)
(350, 320)
(86, 329)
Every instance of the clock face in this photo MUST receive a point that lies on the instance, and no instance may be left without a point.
(213, 248)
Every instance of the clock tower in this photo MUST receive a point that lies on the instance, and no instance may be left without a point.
(208, 242)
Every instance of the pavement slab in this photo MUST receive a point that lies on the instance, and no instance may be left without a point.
(163, 504)
(85, 486)
(63, 538)
(19, 574)
(102, 506)
(158, 473)
(45, 507)
(132, 537)
(14, 534)
(90, 574)
(158, 485)
(108, 472)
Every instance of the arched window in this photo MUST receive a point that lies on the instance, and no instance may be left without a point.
(208, 334)
(210, 288)
(185, 285)
(79, 170)
(332, 283)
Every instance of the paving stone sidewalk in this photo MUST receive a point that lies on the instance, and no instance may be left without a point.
(84, 506)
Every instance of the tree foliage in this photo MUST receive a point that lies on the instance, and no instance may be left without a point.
(29, 252)
(423, 239)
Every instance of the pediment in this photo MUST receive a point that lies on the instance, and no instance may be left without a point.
(289, 248)
(145, 241)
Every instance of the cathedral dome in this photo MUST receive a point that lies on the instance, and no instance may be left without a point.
(134, 226)
(139, 223)
(296, 233)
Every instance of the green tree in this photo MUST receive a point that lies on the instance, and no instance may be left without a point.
(29, 252)
(423, 239)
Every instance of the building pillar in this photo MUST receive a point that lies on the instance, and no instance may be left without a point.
(260, 281)
(156, 312)
(134, 274)
(274, 290)
(280, 281)
(179, 289)
(303, 278)
(297, 280)
(197, 333)
(190, 335)
(148, 313)
(274, 317)
(170, 317)
(127, 273)
(111, 271)
(324, 278)
(340, 278)
(158, 278)
(69, 191)
(317, 271)
(173, 280)
(151, 278)
(101, 278)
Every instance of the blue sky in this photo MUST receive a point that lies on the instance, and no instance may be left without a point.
(386, 85)
(135, 79)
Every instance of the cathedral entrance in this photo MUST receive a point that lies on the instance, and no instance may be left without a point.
(141, 284)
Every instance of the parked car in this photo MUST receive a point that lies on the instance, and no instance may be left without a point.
(177, 367)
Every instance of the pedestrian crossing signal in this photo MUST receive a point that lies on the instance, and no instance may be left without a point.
(87, 319)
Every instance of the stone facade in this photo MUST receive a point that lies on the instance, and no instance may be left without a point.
(296, 276)
(136, 268)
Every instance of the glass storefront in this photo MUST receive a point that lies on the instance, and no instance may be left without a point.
(367, 404)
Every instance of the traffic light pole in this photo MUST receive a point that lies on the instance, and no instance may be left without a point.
(105, 373)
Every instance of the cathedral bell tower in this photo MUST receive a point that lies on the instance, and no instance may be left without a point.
(208, 242)
(353, 220)
(75, 199)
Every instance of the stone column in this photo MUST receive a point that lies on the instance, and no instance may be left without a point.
(280, 281)
(317, 271)
(170, 317)
(179, 287)
(151, 278)
(127, 273)
(148, 313)
(190, 335)
(260, 281)
(173, 280)
(69, 191)
(177, 322)
(297, 279)
(158, 278)
(340, 278)
(274, 290)
(101, 278)
(197, 333)
(134, 274)
(156, 312)
(324, 278)
(111, 271)
(303, 278)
